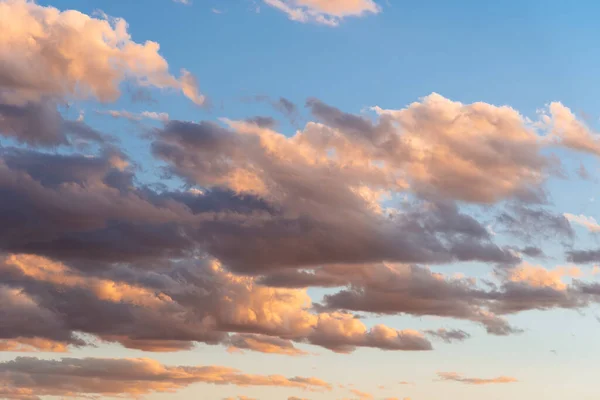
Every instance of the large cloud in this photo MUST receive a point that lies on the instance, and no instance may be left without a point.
(473, 152)
(169, 309)
(414, 290)
(31, 378)
(333, 202)
(91, 209)
(65, 54)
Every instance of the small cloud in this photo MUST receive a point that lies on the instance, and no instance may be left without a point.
(453, 376)
(361, 395)
(136, 116)
(589, 223)
(324, 12)
(449, 336)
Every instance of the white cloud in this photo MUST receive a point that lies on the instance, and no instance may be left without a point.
(326, 12)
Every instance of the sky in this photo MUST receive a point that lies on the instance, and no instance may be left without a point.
(299, 199)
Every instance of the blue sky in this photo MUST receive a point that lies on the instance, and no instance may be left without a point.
(249, 58)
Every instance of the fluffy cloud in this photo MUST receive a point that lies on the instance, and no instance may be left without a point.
(31, 378)
(393, 289)
(566, 130)
(415, 290)
(39, 124)
(198, 302)
(70, 54)
(320, 195)
(327, 12)
(453, 376)
(473, 152)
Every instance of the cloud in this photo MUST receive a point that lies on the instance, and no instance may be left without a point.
(534, 224)
(583, 256)
(453, 376)
(136, 116)
(361, 395)
(199, 302)
(567, 131)
(30, 378)
(414, 290)
(473, 152)
(240, 398)
(449, 336)
(39, 124)
(339, 195)
(537, 276)
(589, 223)
(326, 12)
(265, 344)
(284, 106)
(263, 122)
(27, 345)
(582, 172)
(70, 54)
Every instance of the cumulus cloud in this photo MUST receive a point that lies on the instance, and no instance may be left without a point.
(453, 376)
(326, 12)
(317, 194)
(198, 302)
(31, 378)
(70, 54)
(566, 130)
(405, 289)
(39, 124)
(415, 290)
(475, 152)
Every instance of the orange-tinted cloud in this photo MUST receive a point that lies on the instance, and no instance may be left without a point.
(69, 377)
(26, 345)
(566, 130)
(70, 54)
(589, 223)
(327, 12)
(538, 276)
(475, 152)
(265, 344)
(204, 307)
(361, 395)
(453, 376)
